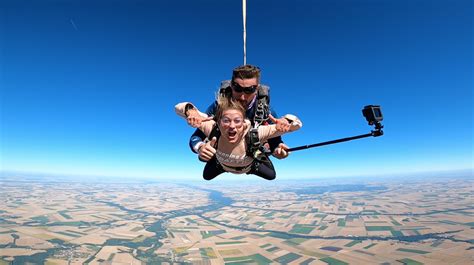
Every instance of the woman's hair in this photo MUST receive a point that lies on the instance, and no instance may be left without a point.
(224, 103)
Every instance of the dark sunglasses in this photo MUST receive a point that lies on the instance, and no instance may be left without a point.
(247, 90)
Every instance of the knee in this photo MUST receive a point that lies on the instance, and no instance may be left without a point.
(271, 176)
(208, 177)
(268, 175)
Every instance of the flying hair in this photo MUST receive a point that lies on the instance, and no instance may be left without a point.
(224, 103)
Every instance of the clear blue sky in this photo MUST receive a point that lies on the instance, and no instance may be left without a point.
(88, 87)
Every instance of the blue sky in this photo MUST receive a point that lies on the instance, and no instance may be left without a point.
(88, 87)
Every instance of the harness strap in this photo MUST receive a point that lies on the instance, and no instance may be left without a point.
(262, 109)
(215, 132)
(253, 142)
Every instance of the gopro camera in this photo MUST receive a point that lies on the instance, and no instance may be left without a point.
(373, 114)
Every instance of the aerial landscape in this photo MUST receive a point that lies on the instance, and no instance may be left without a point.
(47, 221)
(97, 168)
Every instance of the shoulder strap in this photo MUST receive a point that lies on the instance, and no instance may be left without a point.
(225, 88)
(264, 91)
(263, 105)
(215, 132)
(253, 142)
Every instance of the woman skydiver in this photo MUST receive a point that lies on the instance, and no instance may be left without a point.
(234, 142)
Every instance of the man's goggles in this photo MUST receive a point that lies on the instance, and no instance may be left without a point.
(247, 90)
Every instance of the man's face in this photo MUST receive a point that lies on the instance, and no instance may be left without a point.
(244, 85)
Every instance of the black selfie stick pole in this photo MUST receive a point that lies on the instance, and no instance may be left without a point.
(377, 132)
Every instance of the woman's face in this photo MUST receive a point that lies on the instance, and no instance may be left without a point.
(232, 125)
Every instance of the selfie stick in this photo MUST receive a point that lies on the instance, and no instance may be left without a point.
(372, 113)
(373, 133)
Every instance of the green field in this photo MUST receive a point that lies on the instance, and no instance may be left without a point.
(408, 261)
(471, 224)
(448, 222)
(308, 261)
(190, 220)
(378, 228)
(285, 259)
(395, 221)
(333, 261)
(302, 229)
(369, 246)
(341, 222)
(111, 257)
(43, 219)
(68, 234)
(230, 242)
(413, 250)
(294, 241)
(269, 214)
(79, 223)
(273, 249)
(257, 258)
(207, 253)
(63, 214)
(396, 233)
(278, 235)
(320, 215)
(352, 243)
(207, 234)
(76, 232)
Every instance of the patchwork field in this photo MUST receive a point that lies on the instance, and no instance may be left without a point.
(409, 222)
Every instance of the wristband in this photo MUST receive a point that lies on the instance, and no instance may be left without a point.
(188, 107)
(197, 146)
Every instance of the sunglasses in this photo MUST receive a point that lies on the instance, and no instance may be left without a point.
(247, 90)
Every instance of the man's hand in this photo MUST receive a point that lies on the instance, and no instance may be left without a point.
(207, 150)
(280, 152)
(194, 119)
(282, 124)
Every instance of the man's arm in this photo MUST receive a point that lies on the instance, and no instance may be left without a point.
(274, 142)
(266, 132)
(277, 147)
(197, 138)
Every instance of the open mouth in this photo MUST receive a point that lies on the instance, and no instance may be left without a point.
(232, 134)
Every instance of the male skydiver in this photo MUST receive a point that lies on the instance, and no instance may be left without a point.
(244, 87)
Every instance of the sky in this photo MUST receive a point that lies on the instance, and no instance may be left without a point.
(89, 87)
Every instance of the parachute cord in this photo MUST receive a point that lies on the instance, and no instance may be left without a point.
(244, 16)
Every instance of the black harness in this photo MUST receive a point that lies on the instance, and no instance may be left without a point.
(254, 147)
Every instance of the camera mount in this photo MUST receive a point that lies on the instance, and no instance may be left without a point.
(373, 115)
